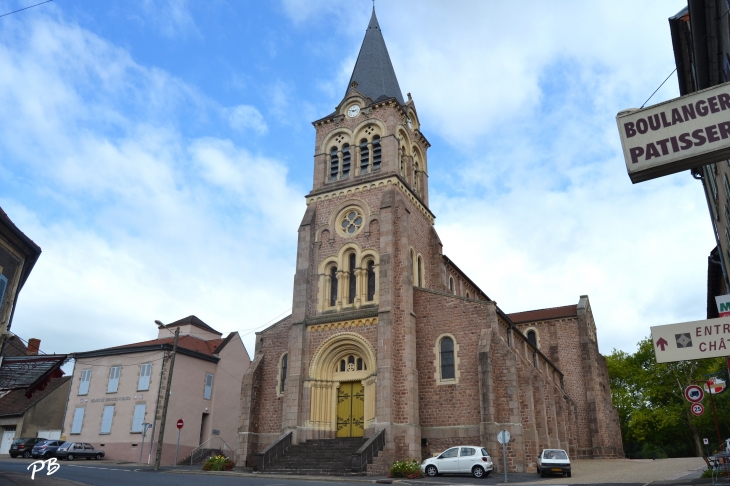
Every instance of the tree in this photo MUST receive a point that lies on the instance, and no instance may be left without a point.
(655, 417)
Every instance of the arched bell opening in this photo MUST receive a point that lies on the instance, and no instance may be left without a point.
(342, 381)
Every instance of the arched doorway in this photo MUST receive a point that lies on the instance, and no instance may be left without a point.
(342, 385)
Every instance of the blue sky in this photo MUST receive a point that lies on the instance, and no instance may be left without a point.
(159, 152)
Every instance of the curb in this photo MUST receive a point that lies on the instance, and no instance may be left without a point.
(350, 479)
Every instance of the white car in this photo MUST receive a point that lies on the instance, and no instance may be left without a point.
(461, 459)
(553, 461)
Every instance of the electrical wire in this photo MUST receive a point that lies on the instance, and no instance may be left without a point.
(26, 8)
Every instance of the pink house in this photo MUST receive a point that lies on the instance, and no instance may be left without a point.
(115, 391)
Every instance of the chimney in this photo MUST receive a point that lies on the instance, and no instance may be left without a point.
(33, 346)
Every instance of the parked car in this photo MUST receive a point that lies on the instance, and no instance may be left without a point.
(24, 446)
(77, 450)
(461, 459)
(45, 449)
(551, 461)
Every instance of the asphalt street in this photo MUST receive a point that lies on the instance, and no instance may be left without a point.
(15, 472)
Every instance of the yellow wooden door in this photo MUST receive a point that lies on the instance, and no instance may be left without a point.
(351, 410)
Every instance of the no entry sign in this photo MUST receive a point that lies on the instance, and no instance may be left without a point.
(698, 409)
(694, 393)
(180, 424)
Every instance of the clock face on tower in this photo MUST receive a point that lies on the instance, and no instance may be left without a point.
(353, 111)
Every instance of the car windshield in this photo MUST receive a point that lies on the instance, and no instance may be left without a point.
(556, 454)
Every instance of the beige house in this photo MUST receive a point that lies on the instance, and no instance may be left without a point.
(117, 390)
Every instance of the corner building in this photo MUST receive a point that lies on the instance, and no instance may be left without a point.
(386, 332)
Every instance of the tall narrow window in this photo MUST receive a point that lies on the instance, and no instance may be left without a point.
(346, 160)
(333, 286)
(447, 358)
(420, 272)
(145, 372)
(282, 378)
(113, 384)
(364, 155)
(532, 337)
(376, 152)
(343, 365)
(371, 281)
(416, 185)
(106, 420)
(359, 364)
(84, 382)
(208, 386)
(353, 280)
(334, 163)
(78, 420)
(3, 286)
(451, 284)
(138, 417)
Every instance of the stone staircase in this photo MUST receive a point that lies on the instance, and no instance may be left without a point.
(320, 457)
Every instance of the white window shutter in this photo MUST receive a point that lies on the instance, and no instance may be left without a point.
(145, 372)
(114, 373)
(78, 420)
(208, 386)
(85, 380)
(138, 418)
(106, 419)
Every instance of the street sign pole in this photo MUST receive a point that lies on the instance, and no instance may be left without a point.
(714, 412)
(145, 426)
(503, 437)
(180, 424)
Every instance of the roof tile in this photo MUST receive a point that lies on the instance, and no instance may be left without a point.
(544, 314)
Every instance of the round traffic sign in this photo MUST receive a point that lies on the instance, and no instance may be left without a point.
(180, 424)
(694, 393)
(503, 437)
(698, 409)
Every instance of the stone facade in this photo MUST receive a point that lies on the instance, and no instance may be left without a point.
(376, 302)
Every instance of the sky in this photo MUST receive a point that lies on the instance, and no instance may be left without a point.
(159, 153)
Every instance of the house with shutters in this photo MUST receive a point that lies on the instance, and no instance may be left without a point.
(115, 391)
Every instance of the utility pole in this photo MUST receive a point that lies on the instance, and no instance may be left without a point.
(158, 456)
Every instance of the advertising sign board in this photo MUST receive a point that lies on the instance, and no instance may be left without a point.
(692, 340)
(679, 134)
(723, 305)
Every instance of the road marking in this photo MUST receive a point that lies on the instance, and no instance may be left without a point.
(105, 468)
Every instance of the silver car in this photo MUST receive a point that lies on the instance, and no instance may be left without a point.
(473, 460)
(553, 461)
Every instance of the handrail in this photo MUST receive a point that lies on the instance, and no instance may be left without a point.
(364, 455)
(268, 455)
(192, 453)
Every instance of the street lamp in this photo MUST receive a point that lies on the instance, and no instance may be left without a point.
(158, 455)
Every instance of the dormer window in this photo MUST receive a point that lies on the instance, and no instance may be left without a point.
(334, 164)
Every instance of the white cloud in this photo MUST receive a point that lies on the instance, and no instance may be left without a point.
(243, 117)
(171, 17)
(130, 213)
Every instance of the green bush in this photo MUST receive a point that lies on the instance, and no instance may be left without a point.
(218, 463)
(410, 469)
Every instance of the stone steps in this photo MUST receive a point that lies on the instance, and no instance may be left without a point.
(319, 457)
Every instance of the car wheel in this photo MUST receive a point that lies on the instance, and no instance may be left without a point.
(568, 473)
(477, 472)
(46, 455)
(26, 455)
(431, 470)
(98, 456)
(70, 457)
(543, 474)
(13, 456)
(538, 469)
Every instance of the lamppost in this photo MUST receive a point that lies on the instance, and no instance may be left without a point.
(158, 456)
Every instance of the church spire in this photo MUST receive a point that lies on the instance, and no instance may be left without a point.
(373, 71)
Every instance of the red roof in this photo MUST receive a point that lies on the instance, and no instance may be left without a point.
(544, 314)
(187, 342)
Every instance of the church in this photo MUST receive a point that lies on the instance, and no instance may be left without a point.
(389, 337)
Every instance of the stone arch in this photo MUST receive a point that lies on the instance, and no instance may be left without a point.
(344, 135)
(334, 348)
(361, 130)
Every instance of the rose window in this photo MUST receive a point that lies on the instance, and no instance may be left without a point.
(351, 222)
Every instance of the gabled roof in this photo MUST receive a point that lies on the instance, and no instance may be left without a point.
(186, 342)
(373, 71)
(16, 403)
(544, 314)
(193, 321)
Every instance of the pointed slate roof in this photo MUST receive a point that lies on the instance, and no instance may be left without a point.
(373, 71)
